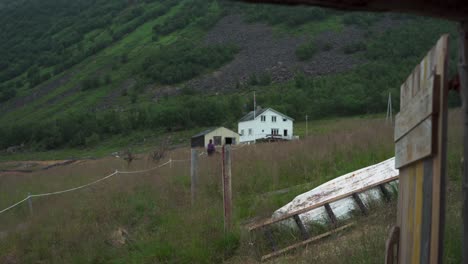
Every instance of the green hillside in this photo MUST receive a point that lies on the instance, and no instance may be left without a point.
(72, 74)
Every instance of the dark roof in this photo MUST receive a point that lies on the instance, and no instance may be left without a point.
(250, 115)
(448, 9)
(205, 132)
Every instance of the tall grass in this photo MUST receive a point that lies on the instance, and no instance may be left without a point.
(155, 208)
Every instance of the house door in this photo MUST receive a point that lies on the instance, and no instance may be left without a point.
(228, 141)
(285, 133)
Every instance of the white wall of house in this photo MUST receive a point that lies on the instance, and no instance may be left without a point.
(264, 124)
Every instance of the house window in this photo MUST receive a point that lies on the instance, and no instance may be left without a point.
(242, 132)
(273, 119)
(250, 131)
(217, 140)
(263, 118)
(284, 120)
(274, 132)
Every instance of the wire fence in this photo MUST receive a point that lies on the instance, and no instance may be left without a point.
(86, 185)
(100, 180)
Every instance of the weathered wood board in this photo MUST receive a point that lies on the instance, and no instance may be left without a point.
(415, 145)
(418, 109)
(420, 147)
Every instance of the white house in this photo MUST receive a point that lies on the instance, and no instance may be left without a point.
(267, 123)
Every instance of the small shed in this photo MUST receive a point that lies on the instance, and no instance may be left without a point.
(219, 135)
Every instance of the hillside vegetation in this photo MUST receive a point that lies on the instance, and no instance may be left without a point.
(74, 74)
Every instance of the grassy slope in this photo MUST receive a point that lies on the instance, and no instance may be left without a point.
(135, 44)
(154, 207)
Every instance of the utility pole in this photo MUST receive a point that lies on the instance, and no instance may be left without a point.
(254, 116)
(307, 125)
(389, 109)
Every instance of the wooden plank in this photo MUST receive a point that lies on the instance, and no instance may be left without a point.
(270, 221)
(417, 212)
(463, 71)
(386, 195)
(331, 215)
(426, 228)
(417, 110)
(302, 229)
(403, 207)
(360, 204)
(415, 145)
(440, 159)
(270, 239)
(303, 243)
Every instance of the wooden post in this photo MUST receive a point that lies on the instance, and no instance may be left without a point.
(227, 192)
(269, 236)
(30, 204)
(386, 195)
(193, 174)
(463, 73)
(301, 227)
(361, 205)
(331, 215)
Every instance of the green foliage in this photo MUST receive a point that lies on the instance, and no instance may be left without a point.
(354, 47)
(90, 83)
(306, 51)
(182, 61)
(361, 19)
(289, 16)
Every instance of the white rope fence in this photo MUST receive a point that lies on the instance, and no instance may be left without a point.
(88, 184)
(100, 180)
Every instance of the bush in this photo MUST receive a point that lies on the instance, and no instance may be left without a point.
(90, 83)
(355, 47)
(306, 51)
(182, 61)
(92, 140)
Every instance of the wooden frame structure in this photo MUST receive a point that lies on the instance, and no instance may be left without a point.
(421, 153)
(265, 225)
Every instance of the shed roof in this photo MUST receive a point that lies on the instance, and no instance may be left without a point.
(250, 115)
(210, 130)
(447, 9)
(205, 132)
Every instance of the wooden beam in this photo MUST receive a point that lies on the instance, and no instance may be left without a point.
(303, 243)
(270, 239)
(361, 205)
(463, 73)
(330, 214)
(301, 227)
(385, 192)
(270, 221)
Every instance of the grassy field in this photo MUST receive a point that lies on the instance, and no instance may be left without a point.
(161, 226)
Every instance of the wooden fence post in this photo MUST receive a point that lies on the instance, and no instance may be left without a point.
(193, 174)
(30, 204)
(227, 191)
(463, 73)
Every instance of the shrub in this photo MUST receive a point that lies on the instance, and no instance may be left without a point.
(90, 83)
(306, 51)
(355, 47)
